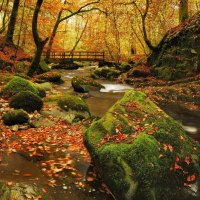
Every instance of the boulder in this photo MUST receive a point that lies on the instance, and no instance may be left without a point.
(43, 67)
(22, 191)
(27, 101)
(124, 67)
(49, 77)
(83, 84)
(178, 54)
(141, 71)
(76, 108)
(106, 72)
(43, 88)
(15, 117)
(141, 153)
(18, 84)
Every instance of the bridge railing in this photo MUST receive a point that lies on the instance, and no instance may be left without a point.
(77, 56)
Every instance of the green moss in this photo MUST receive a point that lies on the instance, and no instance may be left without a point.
(27, 101)
(17, 84)
(124, 67)
(107, 72)
(15, 117)
(83, 84)
(70, 102)
(141, 166)
(44, 66)
(50, 77)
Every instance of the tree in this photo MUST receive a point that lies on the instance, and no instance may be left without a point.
(183, 11)
(38, 41)
(4, 21)
(12, 22)
(60, 19)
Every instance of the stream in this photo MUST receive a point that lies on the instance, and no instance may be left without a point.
(99, 103)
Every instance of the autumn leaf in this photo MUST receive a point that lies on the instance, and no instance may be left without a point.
(27, 175)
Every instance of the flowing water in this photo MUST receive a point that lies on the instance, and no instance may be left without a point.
(99, 103)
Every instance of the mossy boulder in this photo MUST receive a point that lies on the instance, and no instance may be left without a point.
(178, 54)
(49, 77)
(139, 71)
(106, 72)
(77, 109)
(124, 67)
(83, 84)
(18, 84)
(141, 153)
(15, 117)
(27, 101)
(43, 67)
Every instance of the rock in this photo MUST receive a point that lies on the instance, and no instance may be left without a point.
(27, 101)
(21, 191)
(83, 84)
(14, 128)
(49, 77)
(142, 153)
(17, 84)
(15, 117)
(178, 54)
(139, 71)
(43, 87)
(124, 67)
(106, 72)
(68, 66)
(76, 108)
(43, 67)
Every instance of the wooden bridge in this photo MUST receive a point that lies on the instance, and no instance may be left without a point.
(67, 56)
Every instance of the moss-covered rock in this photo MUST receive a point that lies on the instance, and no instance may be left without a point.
(15, 117)
(142, 153)
(77, 109)
(83, 84)
(178, 54)
(18, 84)
(124, 66)
(106, 72)
(27, 101)
(49, 77)
(43, 88)
(43, 67)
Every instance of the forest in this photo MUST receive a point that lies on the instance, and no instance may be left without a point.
(99, 99)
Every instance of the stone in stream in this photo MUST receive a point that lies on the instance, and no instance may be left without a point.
(143, 154)
(49, 77)
(84, 85)
(76, 108)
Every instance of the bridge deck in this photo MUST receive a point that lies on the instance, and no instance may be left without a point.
(60, 57)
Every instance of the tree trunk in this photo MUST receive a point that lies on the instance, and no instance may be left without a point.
(38, 42)
(11, 25)
(36, 60)
(183, 11)
(53, 36)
